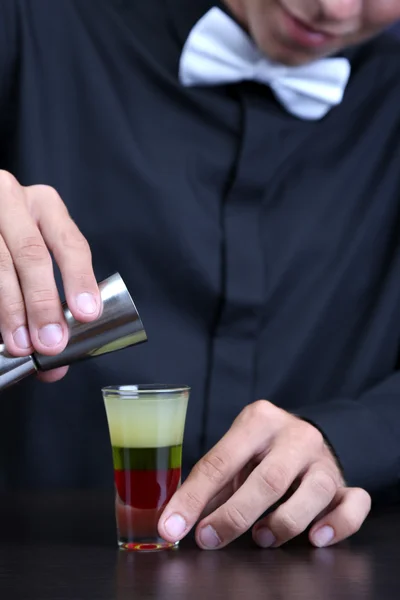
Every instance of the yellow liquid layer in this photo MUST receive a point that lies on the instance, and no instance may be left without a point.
(150, 421)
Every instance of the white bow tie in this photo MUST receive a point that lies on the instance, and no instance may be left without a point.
(218, 51)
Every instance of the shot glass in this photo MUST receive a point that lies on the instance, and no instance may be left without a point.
(146, 425)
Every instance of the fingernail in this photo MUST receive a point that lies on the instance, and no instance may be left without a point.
(50, 335)
(264, 537)
(175, 526)
(323, 536)
(86, 303)
(21, 338)
(209, 538)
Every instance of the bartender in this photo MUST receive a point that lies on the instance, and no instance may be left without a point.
(238, 163)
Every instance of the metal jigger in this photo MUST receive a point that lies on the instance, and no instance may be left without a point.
(119, 326)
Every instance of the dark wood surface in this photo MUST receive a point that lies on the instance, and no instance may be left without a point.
(61, 546)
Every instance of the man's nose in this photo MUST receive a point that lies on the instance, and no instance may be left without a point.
(341, 10)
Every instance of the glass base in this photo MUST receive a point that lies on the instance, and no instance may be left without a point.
(147, 546)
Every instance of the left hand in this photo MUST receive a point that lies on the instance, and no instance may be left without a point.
(266, 452)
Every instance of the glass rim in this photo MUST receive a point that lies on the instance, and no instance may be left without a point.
(145, 388)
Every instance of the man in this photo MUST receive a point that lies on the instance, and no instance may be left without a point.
(249, 195)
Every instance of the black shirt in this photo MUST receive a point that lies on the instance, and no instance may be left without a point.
(261, 250)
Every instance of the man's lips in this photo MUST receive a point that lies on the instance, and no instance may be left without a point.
(305, 35)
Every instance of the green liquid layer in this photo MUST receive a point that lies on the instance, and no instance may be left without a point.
(146, 459)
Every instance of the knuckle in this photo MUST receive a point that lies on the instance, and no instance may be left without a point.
(43, 297)
(275, 479)
(258, 410)
(351, 523)
(289, 525)
(49, 193)
(361, 499)
(365, 498)
(12, 314)
(236, 519)
(15, 308)
(72, 239)
(6, 263)
(42, 197)
(192, 501)
(8, 183)
(213, 467)
(314, 437)
(32, 250)
(324, 484)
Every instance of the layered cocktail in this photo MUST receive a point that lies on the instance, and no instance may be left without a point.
(146, 424)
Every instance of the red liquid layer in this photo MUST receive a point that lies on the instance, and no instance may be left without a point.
(146, 489)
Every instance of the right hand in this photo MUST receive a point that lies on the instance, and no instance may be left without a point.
(34, 221)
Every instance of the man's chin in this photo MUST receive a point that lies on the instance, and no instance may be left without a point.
(293, 57)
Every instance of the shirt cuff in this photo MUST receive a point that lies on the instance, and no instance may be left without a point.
(364, 447)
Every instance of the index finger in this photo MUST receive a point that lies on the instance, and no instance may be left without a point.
(208, 477)
(70, 249)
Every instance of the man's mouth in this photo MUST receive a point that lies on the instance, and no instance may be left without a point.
(304, 34)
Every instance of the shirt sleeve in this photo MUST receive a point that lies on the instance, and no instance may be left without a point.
(364, 433)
